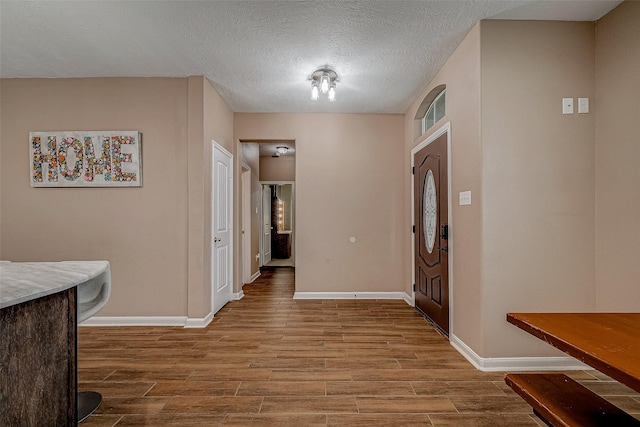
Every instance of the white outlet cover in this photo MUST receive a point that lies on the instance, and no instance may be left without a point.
(583, 105)
(567, 105)
(465, 198)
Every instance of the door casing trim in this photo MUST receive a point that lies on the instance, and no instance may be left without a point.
(445, 128)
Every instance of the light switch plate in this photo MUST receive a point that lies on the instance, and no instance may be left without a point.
(583, 105)
(567, 105)
(465, 198)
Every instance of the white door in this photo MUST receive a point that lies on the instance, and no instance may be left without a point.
(246, 225)
(221, 230)
(266, 224)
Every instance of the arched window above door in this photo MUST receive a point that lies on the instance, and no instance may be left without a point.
(431, 110)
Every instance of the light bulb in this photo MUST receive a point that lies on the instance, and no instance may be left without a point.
(332, 93)
(324, 83)
(314, 91)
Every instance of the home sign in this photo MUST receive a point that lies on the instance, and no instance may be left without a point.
(85, 159)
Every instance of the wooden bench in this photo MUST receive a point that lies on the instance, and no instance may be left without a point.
(560, 401)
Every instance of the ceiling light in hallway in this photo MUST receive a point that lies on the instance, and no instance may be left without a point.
(324, 80)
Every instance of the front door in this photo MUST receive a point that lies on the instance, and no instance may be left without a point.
(431, 232)
(222, 262)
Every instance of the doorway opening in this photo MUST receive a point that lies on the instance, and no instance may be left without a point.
(278, 241)
(268, 202)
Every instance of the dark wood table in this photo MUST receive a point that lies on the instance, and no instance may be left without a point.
(608, 342)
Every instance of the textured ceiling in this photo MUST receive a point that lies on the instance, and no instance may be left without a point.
(259, 55)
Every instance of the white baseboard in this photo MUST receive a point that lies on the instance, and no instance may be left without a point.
(254, 276)
(149, 321)
(136, 321)
(351, 295)
(493, 364)
(187, 322)
(409, 300)
(202, 322)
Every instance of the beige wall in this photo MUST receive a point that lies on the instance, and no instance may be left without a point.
(527, 243)
(281, 168)
(461, 75)
(156, 237)
(251, 156)
(617, 174)
(361, 155)
(141, 231)
(537, 177)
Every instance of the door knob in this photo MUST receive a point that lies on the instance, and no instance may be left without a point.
(216, 240)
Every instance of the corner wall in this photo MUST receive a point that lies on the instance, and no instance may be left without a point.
(157, 237)
(209, 119)
(461, 75)
(527, 242)
(617, 155)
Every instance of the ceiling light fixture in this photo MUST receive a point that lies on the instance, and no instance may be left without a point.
(324, 80)
(331, 95)
(324, 83)
(281, 150)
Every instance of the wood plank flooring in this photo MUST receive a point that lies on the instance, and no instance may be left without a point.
(268, 360)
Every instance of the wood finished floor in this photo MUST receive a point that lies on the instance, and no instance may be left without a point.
(268, 360)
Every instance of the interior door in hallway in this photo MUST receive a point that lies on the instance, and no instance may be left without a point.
(266, 224)
(221, 221)
(431, 206)
(245, 179)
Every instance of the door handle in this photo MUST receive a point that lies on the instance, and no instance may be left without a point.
(444, 232)
(444, 249)
(216, 240)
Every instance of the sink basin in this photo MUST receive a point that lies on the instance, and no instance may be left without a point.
(93, 295)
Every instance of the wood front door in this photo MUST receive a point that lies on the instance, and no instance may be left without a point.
(431, 206)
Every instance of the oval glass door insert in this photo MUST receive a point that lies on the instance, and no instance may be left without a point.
(430, 210)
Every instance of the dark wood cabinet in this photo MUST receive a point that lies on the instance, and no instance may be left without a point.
(38, 362)
(281, 245)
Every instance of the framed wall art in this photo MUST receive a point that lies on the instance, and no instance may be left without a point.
(85, 159)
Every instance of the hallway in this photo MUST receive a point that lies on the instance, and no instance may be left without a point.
(271, 361)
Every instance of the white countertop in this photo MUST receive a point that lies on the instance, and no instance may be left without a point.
(25, 281)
